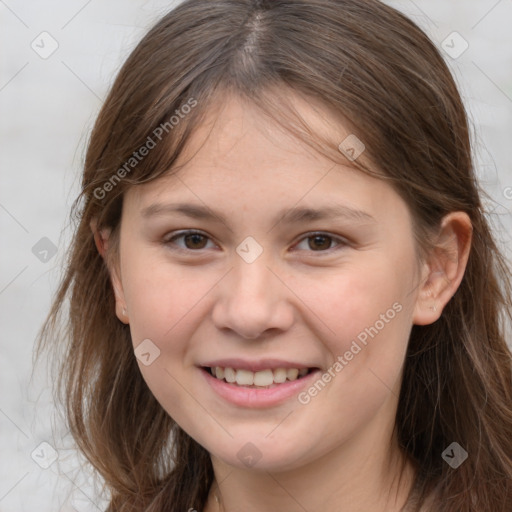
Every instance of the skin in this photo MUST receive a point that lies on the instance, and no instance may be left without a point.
(294, 302)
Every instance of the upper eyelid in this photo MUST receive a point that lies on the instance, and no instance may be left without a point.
(321, 233)
(184, 232)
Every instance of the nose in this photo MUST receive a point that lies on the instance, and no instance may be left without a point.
(252, 301)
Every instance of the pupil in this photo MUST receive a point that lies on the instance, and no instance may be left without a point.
(195, 240)
(320, 242)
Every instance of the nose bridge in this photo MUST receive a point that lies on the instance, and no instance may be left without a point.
(253, 280)
(251, 300)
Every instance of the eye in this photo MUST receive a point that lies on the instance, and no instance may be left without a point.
(192, 240)
(320, 242)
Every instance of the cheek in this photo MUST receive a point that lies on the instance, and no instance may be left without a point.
(356, 298)
(164, 306)
(162, 298)
(370, 322)
(365, 315)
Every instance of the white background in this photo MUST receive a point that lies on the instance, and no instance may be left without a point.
(47, 108)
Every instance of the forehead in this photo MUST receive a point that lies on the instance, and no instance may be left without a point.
(239, 157)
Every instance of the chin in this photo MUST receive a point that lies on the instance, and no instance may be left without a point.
(261, 456)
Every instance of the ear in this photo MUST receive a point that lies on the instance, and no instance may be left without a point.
(443, 271)
(101, 239)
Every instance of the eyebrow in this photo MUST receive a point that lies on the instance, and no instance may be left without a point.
(286, 216)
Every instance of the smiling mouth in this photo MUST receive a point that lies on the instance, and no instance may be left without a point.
(268, 378)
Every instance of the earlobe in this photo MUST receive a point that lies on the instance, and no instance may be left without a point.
(122, 313)
(429, 306)
(121, 309)
(444, 270)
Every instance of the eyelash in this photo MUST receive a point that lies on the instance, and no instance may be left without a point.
(168, 241)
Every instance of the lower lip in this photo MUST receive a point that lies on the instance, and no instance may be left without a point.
(258, 397)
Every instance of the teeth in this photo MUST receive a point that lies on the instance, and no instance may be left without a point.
(292, 373)
(279, 375)
(264, 378)
(261, 378)
(229, 374)
(244, 378)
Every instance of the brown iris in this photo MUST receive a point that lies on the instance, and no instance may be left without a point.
(319, 242)
(195, 241)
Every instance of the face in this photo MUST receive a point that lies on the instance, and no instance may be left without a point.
(258, 258)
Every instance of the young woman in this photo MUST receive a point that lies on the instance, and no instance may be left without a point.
(283, 290)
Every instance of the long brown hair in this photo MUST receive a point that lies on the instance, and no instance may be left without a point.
(370, 64)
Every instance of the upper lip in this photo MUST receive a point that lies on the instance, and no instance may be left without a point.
(255, 366)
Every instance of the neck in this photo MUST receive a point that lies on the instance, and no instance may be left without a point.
(357, 477)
